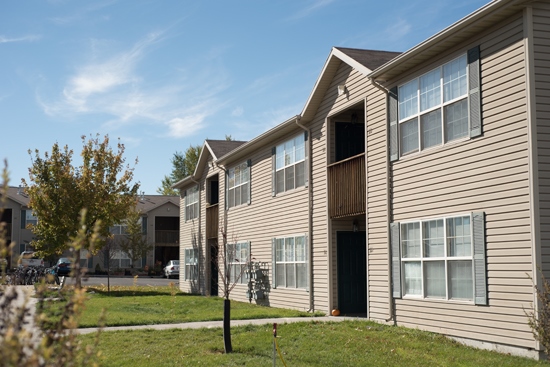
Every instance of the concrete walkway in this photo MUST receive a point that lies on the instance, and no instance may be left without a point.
(218, 324)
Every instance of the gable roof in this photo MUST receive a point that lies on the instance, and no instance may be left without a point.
(219, 148)
(210, 148)
(462, 30)
(146, 203)
(18, 195)
(363, 61)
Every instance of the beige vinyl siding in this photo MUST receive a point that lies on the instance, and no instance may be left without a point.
(488, 174)
(192, 234)
(541, 30)
(377, 207)
(323, 152)
(265, 218)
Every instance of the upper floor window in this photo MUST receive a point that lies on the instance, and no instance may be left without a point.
(440, 258)
(238, 185)
(290, 264)
(28, 218)
(119, 229)
(192, 203)
(290, 164)
(440, 106)
(433, 108)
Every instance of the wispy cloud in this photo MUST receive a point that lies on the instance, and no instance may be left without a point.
(113, 86)
(29, 38)
(313, 6)
(81, 13)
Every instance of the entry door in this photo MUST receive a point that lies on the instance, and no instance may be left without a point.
(352, 272)
(213, 270)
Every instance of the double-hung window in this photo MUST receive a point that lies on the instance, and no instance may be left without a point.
(433, 108)
(191, 264)
(28, 218)
(440, 258)
(438, 107)
(238, 255)
(290, 164)
(192, 203)
(290, 262)
(238, 185)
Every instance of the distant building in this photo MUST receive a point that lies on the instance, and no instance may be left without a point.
(159, 218)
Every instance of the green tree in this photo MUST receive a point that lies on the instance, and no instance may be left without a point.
(59, 191)
(183, 165)
(134, 242)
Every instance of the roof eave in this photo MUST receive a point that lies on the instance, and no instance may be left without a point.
(382, 73)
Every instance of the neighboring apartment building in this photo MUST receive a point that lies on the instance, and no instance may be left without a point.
(160, 223)
(412, 188)
(17, 215)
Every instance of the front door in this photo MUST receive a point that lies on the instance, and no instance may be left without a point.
(213, 270)
(352, 272)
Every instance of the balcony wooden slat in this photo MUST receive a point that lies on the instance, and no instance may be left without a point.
(167, 237)
(347, 182)
(212, 221)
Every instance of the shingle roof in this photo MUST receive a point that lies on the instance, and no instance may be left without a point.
(372, 59)
(222, 147)
(147, 203)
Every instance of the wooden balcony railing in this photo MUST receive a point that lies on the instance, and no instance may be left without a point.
(167, 237)
(347, 187)
(212, 217)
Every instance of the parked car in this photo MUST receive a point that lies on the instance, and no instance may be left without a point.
(171, 269)
(63, 266)
(28, 258)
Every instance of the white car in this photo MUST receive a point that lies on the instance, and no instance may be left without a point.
(171, 269)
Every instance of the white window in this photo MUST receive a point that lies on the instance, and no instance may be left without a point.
(290, 262)
(238, 185)
(119, 229)
(437, 258)
(192, 203)
(433, 109)
(238, 255)
(120, 260)
(290, 164)
(28, 218)
(191, 264)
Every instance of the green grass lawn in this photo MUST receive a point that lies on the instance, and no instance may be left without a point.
(308, 343)
(164, 305)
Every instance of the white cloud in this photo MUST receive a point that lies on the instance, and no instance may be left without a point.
(29, 38)
(113, 86)
(313, 7)
(237, 112)
(398, 30)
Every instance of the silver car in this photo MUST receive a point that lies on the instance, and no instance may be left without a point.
(172, 269)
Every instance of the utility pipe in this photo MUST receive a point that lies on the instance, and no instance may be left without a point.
(310, 211)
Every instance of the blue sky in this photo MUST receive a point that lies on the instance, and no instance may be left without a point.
(161, 75)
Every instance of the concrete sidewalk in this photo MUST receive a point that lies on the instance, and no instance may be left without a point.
(218, 324)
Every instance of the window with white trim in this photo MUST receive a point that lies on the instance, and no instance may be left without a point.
(118, 229)
(238, 185)
(28, 218)
(192, 203)
(433, 109)
(191, 271)
(120, 259)
(290, 164)
(290, 265)
(238, 255)
(437, 258)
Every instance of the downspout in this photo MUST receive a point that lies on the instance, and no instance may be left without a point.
(391, 308)
(534, 192)
(310, 212)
